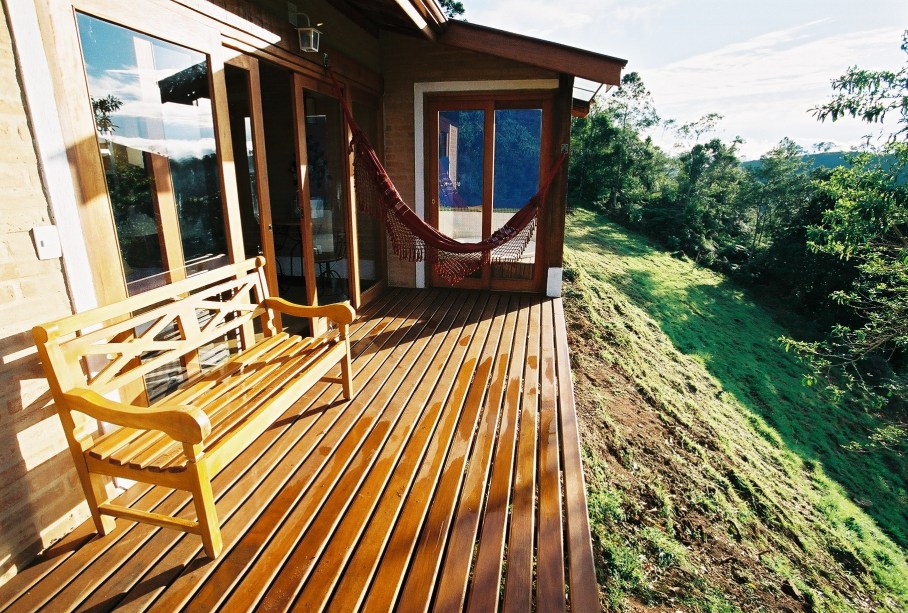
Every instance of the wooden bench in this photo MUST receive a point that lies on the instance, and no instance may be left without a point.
(186, 437)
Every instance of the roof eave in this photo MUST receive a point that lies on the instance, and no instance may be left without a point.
(559, 58)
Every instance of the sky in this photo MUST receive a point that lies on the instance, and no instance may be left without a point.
(762, 64)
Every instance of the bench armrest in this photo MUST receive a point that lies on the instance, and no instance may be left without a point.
(340, 312)
(184, 423)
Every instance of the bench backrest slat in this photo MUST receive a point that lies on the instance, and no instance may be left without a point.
(123, 342)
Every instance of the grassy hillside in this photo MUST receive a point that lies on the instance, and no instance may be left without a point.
(717, 481)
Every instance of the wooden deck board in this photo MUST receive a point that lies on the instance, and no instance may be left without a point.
(487, 574)
(452, 478)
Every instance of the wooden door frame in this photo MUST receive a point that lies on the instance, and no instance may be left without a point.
(260, 161)
(374, 101)
(490, 102)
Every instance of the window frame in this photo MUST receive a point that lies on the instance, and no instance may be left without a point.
(64, 52)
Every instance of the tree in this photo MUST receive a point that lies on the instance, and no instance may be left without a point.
(870, 95)
(700, 216)
(869, 226)
(632, 107)
(693, 130)
(612, 166)
(779, 187)
(452, 8)
(104, 108)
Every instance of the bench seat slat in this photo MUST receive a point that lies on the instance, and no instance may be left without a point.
(229, 412)
(189, 391)
(239, 411)
(157, 446)
(230, 394)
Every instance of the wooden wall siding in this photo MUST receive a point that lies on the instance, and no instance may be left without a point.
(408, 61)
(455, 470)
(40, 498)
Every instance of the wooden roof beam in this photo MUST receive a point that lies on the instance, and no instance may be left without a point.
(544, 54)
(428, 20)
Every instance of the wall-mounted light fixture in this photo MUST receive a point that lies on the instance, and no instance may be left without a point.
(309, 37)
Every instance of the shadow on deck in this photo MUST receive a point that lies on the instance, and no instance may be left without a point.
(452, 479)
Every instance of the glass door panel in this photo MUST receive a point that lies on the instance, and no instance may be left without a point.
(369, 229)
(461, 175)
(153, 116)
(283, 184)
(327, 177)
(243, 145)
(518, 147)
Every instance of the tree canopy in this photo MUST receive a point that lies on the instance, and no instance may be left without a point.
(452, 8)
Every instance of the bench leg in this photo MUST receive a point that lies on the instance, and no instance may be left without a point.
(203, 499)
(347, 377)
(347, 370)
(96, 494)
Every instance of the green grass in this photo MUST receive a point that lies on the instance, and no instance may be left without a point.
(751, 453)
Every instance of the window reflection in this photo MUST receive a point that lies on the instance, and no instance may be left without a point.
(518, 146)
(326, 158)
(461, 155)
(155, 132)
(237, 81)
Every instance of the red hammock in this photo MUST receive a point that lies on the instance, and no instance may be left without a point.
(413, 240)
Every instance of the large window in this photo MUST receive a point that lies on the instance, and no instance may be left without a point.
(155, 133)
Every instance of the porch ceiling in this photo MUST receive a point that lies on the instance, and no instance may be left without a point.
(453, 472)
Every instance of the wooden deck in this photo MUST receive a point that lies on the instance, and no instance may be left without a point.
(452, 480)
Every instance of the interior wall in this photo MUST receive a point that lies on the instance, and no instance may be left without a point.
(40, 496)
(407, 61)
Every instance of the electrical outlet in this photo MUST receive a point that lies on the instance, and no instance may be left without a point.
(47, 242)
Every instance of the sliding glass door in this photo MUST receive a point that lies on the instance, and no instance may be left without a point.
(486, 162)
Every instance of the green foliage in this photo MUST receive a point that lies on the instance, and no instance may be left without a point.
(612, 166)
(452, 8)
(748, 456)
(868, 225)
(870, 95)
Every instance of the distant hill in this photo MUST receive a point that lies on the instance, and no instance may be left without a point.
(829, 159)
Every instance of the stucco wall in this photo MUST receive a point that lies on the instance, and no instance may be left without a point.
(406, 61)
(40, 497)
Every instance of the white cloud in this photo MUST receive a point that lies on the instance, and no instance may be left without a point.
(561, 20)
(766, 85)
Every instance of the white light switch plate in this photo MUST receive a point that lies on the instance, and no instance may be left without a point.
(47, 242)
